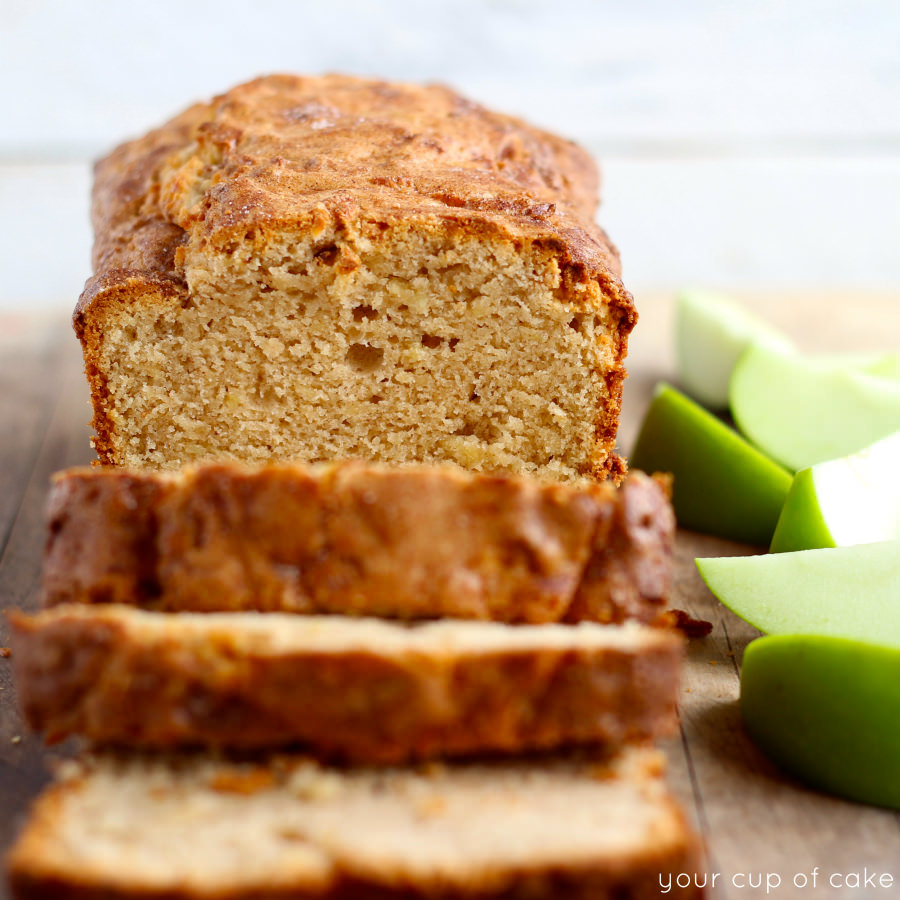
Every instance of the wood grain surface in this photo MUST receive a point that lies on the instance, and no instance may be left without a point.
(757, 824)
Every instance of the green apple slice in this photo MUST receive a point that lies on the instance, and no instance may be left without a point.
(851, 592)
(801, 413)
(852, 500)
(722, 485)
(711, 332)
(884, 365)
(827, 710)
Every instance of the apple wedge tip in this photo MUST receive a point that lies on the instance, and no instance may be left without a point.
(851, 500)
(722, 485)
(711, 332)
(802, 524)
(850, 592)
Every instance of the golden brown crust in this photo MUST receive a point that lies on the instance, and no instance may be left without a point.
(144, 679)
(627, 882)
(362, 157)
(36, 871)
(631, 557)
(97, 538)
(269, 148)
(412, 542)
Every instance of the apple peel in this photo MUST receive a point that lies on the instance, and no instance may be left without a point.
(852, 500)
(827, 710)
(722, 485)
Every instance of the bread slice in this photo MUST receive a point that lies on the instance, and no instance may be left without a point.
(335, 267)
(197, 829)
(359, 689)
(410, 542)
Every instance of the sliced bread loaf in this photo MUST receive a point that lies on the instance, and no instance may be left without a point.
(336, 267)
(360, 689)
(410, 542)
(198, 829)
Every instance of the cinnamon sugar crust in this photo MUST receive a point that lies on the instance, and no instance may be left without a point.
(355, 689)
(322, 268)
(409, 542)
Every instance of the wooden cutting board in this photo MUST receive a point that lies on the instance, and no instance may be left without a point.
(758, 825)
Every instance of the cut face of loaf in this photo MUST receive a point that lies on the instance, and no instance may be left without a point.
(191, 828)
(326, 268)
(359, 689)
(409, 542)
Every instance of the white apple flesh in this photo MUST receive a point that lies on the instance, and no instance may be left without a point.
(850, 592)
(711, 332)
(852, 500)
(801, 413)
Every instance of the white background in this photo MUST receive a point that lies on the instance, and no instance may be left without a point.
(750, 146)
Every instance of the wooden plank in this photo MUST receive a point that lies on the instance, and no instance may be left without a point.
(57, 387)
(28, 385)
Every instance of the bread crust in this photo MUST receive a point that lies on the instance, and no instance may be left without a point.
(637, 882)
(670, 847)
(413, 542)
(364, 158)
(120, 676)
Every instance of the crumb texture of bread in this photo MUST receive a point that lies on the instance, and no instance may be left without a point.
(191, 828)
(410, 542)
(327, 268)
(349, 688)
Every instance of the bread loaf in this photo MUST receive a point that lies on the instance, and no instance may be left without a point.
(192, 828)
(359, 689)
(406, 542)
(335, 267)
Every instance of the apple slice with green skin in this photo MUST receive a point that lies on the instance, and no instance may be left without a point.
(852, 500)
(711, 332)
(827, 710)
(851, 592)
(722, 485)
(801, 413)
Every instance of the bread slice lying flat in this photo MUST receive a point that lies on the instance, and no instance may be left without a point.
(192, 828)
(361, 689)
(337, 267)
(410, 542)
